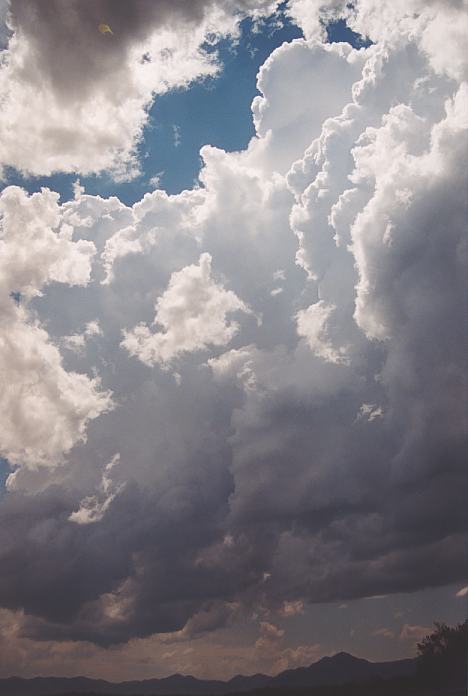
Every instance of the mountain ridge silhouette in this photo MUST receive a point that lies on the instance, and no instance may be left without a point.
(337, 669)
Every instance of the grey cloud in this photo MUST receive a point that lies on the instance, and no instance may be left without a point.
(68, 51)
(142, 540)
(43, 555)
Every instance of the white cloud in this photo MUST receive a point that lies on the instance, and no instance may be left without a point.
(236, 364)
(37, 246)
(177, 135)
(94, 507)
(44, 408)
(102, 130)
(313, 15)
(77, 342)
(155, 180)
(288, 115)
(369, 412)
(438, 27)
(463, 592)
(151, 223)
(193, 314)
(312, 324)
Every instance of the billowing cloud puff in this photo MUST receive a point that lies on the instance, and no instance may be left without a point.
(44, 408)
(193, 314)
(34, 225)
(437, 26)
(314, 456)
(313, 324)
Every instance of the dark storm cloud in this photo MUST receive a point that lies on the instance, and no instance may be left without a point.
(42, 553)
(149, 540)
(321, 527)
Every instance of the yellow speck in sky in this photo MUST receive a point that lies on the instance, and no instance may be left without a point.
(105, 29)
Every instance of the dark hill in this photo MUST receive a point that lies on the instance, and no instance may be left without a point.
(339, 669)
(342, 669)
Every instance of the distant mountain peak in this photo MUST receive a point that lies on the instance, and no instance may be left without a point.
(345, 657)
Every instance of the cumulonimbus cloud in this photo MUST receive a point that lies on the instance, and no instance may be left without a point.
(317, 455)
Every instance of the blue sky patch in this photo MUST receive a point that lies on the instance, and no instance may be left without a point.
(4, 472)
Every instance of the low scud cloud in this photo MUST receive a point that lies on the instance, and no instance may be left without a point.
(247, 397)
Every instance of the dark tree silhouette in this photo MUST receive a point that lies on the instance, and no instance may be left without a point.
(443, 656)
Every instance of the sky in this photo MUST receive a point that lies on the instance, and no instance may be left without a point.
(233, 281)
